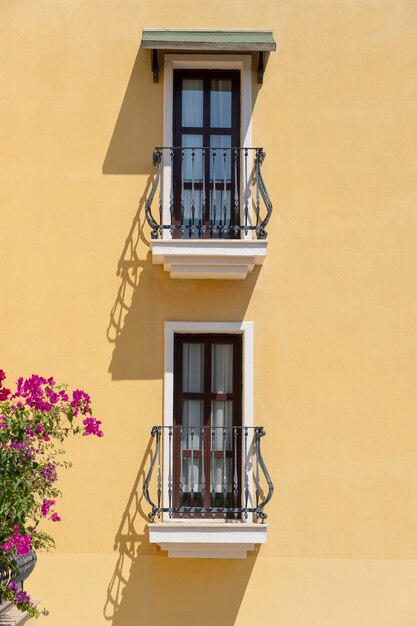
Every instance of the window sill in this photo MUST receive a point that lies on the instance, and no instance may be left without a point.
(206, 539)
(226, 259)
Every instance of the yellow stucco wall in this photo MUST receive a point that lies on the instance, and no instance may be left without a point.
(334, 306)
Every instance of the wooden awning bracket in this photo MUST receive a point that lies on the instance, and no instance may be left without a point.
(155, 65)
(261, 67)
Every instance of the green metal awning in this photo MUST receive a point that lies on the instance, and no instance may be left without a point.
(209, 40)
(260, 41)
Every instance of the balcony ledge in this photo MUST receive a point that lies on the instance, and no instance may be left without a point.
(227, 259)
(12, 616)
(206, 539)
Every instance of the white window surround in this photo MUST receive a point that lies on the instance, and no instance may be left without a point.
(207, 538)
(204, 61)
(214, 258)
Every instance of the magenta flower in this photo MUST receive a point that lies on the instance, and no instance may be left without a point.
(92, 427)
(4, 393)
(63, 395)
(20, 596)
(34, 394)
(38, 411)
(80, 402)
(49, 472)
(46, 505)
(22, 543)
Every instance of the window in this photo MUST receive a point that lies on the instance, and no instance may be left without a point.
(184, 380)
(208, 205)
(206, 155)
(208, 387)
(207, 422)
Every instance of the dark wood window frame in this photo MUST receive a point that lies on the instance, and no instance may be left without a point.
(207, 396)
(206, 75)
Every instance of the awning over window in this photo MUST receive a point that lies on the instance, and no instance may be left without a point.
(260, 41)
(209, 40)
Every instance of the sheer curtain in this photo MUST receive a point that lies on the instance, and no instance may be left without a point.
(222, 411)
(192, 102)
(221, 104)
(192, 412)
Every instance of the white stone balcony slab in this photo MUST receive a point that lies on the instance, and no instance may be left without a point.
(228, 259)
(205, 539)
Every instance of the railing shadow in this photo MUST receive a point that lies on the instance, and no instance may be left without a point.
(147, 588)
(128, 268)
(130, 540)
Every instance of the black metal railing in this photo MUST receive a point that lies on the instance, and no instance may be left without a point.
(208, 472)
(208, 193)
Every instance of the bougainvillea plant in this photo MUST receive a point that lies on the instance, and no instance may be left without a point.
(35, 420)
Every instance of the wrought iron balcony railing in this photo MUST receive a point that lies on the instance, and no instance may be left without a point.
(208, 472)
(211, 192)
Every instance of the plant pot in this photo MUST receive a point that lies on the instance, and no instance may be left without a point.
(24, 567)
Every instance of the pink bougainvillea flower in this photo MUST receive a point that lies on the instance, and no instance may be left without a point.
(48, 472)
(63, 395)
(22, 543)
(46, 505)
(55, 517)
(80, 402)
(92, 427)
(19, 597)
(4, 393)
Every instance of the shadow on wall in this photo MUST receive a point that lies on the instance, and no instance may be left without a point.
(147, 297)
(138, 127)
(149, 589)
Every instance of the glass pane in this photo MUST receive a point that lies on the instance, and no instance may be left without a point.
(192, 421)
(192, 102)
(192, 367)
(220, 212)
(222, 368)
(217, 477)
(222, 420)
(190, 162)
(191, 475)
(221, 104)
(221, 160)
(192, 199)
